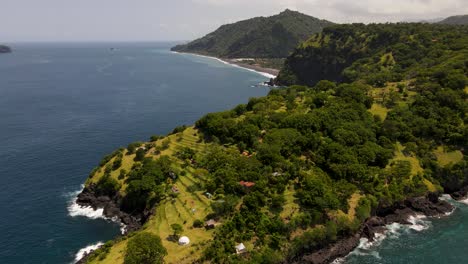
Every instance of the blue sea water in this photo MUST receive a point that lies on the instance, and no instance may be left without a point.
(64, 106)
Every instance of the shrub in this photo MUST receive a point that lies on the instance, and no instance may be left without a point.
(145, 248)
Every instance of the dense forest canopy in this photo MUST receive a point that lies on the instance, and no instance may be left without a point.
(377, 53)
(298, 169)
(260, 37)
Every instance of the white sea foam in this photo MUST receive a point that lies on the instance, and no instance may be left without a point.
(265, 74)
(81, 253)
(74, 209)
(464, 201)
(418, 223)
(392, 231)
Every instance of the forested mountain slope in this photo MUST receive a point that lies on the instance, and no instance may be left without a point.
(260, 37)
(376, 53)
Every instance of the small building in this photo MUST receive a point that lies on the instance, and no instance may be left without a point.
(184, 241)
(172, 175)
(210, 224)
(175, 189)
(247, 184)
(208, 195)
(240, 249)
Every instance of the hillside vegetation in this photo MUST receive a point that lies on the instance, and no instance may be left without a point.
(379, 53)
(455, 20)
(260, 37)
(297, 170)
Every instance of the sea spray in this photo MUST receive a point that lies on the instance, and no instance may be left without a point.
(86, 250)
(74, 209)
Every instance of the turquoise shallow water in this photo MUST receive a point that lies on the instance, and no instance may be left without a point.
(428, 240)
(64, 106)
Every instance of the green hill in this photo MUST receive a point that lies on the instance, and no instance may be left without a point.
(306, 166)
(260, 37)
(376, 53)
(455, 20)
(4, 49)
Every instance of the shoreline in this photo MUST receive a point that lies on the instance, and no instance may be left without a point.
(409, 212)
(266, 72)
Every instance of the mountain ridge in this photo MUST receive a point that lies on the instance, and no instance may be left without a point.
(260, 37)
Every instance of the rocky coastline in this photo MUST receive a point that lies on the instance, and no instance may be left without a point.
(111, 206)
(89, 197)
(400, 212)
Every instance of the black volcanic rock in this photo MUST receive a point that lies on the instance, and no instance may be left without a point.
(399, 212)
(111, 208)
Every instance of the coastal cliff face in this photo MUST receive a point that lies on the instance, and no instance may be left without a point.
(112, 208)
(5, 49)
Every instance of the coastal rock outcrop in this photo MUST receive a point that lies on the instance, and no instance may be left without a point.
(400, 212)
(111, 208)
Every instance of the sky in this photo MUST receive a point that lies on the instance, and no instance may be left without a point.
(157, 20)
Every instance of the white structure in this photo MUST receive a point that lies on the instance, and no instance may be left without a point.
(240, 248)
(184, 241)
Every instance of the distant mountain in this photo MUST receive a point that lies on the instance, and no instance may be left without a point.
(455, 20)
(260, 37)
(4, 49)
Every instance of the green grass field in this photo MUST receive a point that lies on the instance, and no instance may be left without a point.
(446, 158)
(184, 209)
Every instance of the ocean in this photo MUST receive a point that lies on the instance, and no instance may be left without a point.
(63, 106)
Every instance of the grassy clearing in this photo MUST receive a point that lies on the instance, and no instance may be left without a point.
(379, 110)
(415, 164)
(446, 158)
(290, 207)
(353, 202)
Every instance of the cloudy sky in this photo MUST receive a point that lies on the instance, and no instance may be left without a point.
(130, 20)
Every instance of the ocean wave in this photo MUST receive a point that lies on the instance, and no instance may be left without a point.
(86, 250)
(74, 209)
(366, 247)
(418, 223)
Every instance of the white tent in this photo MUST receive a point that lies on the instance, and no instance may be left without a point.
(240, 248)
(184, 241)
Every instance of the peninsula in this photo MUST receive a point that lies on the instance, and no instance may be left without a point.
(369, 129)
(259, 43)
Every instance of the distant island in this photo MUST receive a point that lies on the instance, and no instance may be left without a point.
(455, 20)
(5, 49)
(258, 42)
(369, 129)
